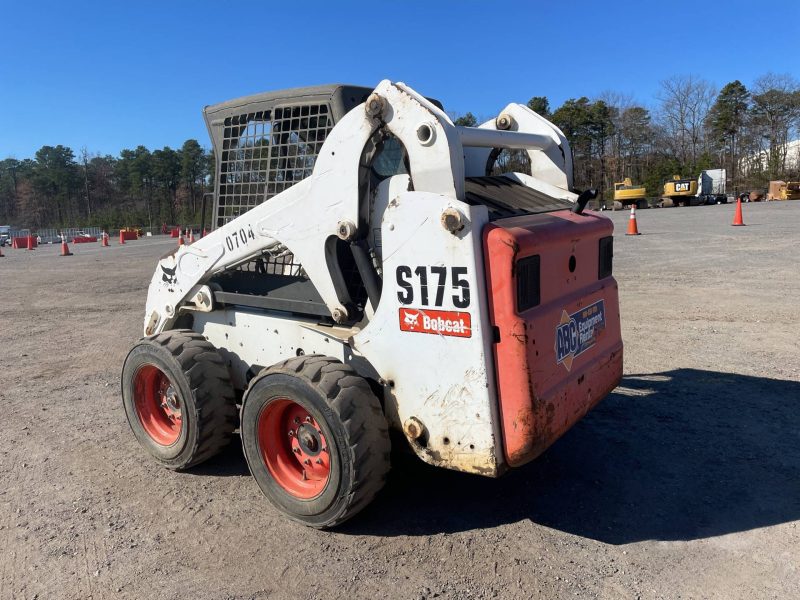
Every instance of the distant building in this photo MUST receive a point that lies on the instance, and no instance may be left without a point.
(758, 161)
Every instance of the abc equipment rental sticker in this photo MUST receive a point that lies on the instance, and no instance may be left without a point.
(576, 333)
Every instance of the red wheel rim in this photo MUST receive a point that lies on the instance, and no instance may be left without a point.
(157, 404)
(294, 448)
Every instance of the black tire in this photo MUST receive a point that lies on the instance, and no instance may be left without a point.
(350, 419)
(204, 394)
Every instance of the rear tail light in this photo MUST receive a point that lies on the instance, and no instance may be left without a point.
(606, 257)
(528, 286)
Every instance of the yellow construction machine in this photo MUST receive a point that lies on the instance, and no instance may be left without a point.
(628, 194)
(680, 191)
(784, 190)
(706, 188)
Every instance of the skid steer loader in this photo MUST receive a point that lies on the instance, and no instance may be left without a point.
(370, 269)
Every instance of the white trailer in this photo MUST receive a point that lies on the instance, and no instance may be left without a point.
(711, 186)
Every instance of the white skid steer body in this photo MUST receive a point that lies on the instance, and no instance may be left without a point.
(422, 330)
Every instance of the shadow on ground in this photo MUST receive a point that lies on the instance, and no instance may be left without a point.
(679, 455)
(228, 463)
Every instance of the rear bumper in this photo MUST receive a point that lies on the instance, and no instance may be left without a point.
(557, 359)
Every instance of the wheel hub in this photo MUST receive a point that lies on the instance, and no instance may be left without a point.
(294, 448)
(170, 403)
(309, 440)
(157, 404)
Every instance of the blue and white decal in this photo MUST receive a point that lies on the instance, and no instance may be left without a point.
(578, 332)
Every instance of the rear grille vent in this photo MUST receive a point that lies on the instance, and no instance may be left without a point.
(528, 285)
(606, 257)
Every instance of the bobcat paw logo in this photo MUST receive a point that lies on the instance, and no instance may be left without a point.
(411, 319)
(168, 275)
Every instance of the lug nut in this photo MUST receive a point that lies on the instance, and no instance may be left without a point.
(297, 420)
(319, 461)
(308, 419)
(297, 450)
(306, 462)
(291, 433)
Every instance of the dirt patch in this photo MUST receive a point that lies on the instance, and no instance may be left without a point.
(685, 482)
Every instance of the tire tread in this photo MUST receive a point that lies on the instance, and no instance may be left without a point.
(209, 382)
(359, 410)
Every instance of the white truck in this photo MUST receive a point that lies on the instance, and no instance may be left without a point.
(711, 186)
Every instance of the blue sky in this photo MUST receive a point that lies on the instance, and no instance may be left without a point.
(114, 75)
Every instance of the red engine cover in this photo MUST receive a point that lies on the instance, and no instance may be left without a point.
(557, 359)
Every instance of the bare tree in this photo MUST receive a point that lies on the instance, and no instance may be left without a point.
(775, 117)
(615, 158)
(86, 186)
(685, 102)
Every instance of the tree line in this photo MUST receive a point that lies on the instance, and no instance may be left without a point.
(56, 188)
(690, 127)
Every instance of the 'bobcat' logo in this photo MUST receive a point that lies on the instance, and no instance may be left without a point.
(438, 322)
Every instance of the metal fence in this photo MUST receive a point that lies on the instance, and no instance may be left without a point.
(53, 234)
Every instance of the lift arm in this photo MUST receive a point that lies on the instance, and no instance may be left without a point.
(307, 216)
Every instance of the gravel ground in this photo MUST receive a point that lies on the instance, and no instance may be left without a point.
(684, 483)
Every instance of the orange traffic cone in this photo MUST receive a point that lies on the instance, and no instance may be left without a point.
(104, 241)
(737, 218)
(205, 233)
(191, 236)
(64, 248)
(633, 229)
(30, 242)
(121, 237)
(1, 252)
(180, 238)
